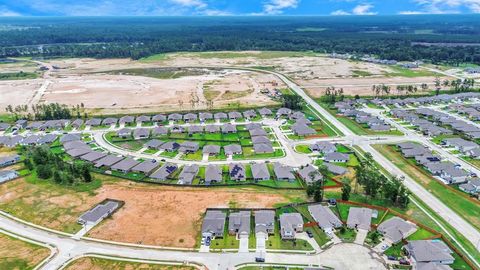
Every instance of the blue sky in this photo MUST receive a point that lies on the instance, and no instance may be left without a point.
(233, 7)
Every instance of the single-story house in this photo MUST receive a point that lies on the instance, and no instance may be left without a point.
(264, 221)
(175, 117)
(188, 147)
(323, 147)
(211, 149)
(127, 119)
(154, 144)
(164, 172)
(170, 146)
(239, 223)
(220, 116)
(124, 133)
(203, 116)
(125, 165)
(324, 217)
(396, 229)
(335, 169)
(264, 112)
(213, 174)
(359, 218)
(237, 172)
(141, 133)
(310, 174)
(213, 225)
(229, 128)
(7, 175)
(159, 118)
(146, 166)
(195, 129)
(158, 131)
(425, 251)
(260, 172)
(290, 224)
(190, 117)
(263, 148)
(337, 157)
(107, 161)
(188, 173)
(283, 172)
(232, 149)
(212, 128)
(234, 115)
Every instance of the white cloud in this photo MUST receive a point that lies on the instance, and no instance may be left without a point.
(340, 12)
(275, 7)
(190, 3)
(363, 9)
(5, 12)
(411, 12)
(448, 6)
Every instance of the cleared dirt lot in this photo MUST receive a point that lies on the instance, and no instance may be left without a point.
(17, 255)
(89, 263)
(152, 214)
(18, 92)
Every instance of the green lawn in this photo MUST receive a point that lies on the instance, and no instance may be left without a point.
(302, 148)
(346, 234)
(398, 71)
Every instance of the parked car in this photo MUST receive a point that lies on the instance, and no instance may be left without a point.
(259, 259)
(403, 262)
(208, 241)
(309, 233)
(391, 258)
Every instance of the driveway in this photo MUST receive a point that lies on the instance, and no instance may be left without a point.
(261, 239)
(361, 235)
(243, 243)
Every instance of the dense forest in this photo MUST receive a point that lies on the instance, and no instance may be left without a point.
(436, 38)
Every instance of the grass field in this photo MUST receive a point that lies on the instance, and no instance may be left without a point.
(409, 73)
(92, 263)
(458, 201)
(19, 255)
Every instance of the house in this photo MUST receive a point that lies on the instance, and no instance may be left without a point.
(141, 133)
(164, 172)
(77, 152)
(145, 167)
(471, 187)
(177, 129)
(220, 116)
(4, 126)
(396, 229)
(213, 174)
(7, 175)
(107, 161)
(143, 118)
(124, 133)
(261, 139)
(212, 128)
(263, 148)
(335, 169)
(257, 132)
(310, 174)
(93, 156)
(283, 112)
(324, 217)
(159, 118)
(154, 144)
(47, 139)
(159, 131)
(302, 129)
(188, 147)
(239, 223)
(77, 123)
(283, 172)
(204, 116)
(126, 120)
(425, 251)
(251, 126)
(260, 172)
(190, 117)
(460, 144)
(359, 218)
(297, 115)
(93, 122)
(125, 165)
(454, 175)
(249, 114)
(234, 115)
(229, 128)
(264, 222)
(336, 157)
(195, 129)
(211, 149)
(170, 146)
(237, 172)
(98, 213)
(232, 149)
(21, 124)
(290, 224)
(175, 117)
(213, 224)
(265, 112)
(30, 140)
(323, 147)
(70, 137)
(13, 141)
(188, 173)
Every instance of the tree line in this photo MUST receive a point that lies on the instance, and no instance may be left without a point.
(52, 111)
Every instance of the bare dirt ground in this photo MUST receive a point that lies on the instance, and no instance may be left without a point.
(17, 255)
(152, 214)
(89, 263)
(17, 92)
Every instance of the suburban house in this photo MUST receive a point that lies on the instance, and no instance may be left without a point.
(260, 172)
(250, 126)
(159, 131)
(302, 129)
(77, 123)
(70, 137)
(93, 156)
(93, 122)
(145, 167)
(232, 149)
(426, 251)
(125, 165)
(188, 147)
(237, 171)
(325, 218)
(142, 119)
(188, 173)
(261, 139)
(264, 112)
(283, 172)
(283, 112)
(4, 126)
(460, 144)
(190, 117)
(471, 187)
(164, 172)
(265, 222)
(257, 132)
(126, 120)
(359, 218)
(124, 133)
(290, 224)
(396, 229)
(249, 114)
(239, 223)
(310, 174)
(212, 128)
(98, 213)
(170, 146)
(336, 157)
(263, 148)
(229, 128)
(175, 117)
(213, 224)
(195, 129)
(159, 118)
(154, 144)
(220, 116)
(107, 161)
(211, 149)
(8, 175)
(141, 133)
(335, 169)
(323, 147)
(213, 174)
(177, 129)
(234, 115)
(203, 116)
(77, 152)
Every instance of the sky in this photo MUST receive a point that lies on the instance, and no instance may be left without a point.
(233, 7)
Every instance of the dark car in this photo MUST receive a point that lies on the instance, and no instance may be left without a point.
(207, 241)
(259, 259)
(309, 233)
(404, 262)
(332, 201)
(391, 258)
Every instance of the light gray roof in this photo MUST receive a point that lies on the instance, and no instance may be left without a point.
(205, 116)
(165, 171)
(325, 218)
(214, 222)
(220, 115)
(265, 111)
(188, 174)
(249, 114)
(77, 123)
(232, 148)
(288, 223)
(141, 132)
(93, 156)
(302, 129)
(429, 251)
(159, 118)
(229, 128)
(324, 147)
(336, 156)
(47, 138)
(284, 111)
(146, 166)
(257, 132)
(124, 132)
(190, 117)
(75, 144)
(260, 148)
(432, 266)
(143, 118)
(93, 122)
(189, 146)
(13, 141)
(234, 115)
(154, 143)
(175, 117)
(7, 175)
(195, 129)
(283, 172)
(213, 173)
(264, 221)
(99, 212)
(250, 126)
(261, 139)
(4, 126)
(360, 218)
(211, 149)
(30, 140)
(240, 222)
(212, 128)
(7, 160)
(70, 137)
(260, 171)
(310, 174)
(125, 165)
(335, 169)
(396, 229)
(107, 161)
(160, 131)
(76, 152)
(109, 121)
(170, 146)
(126, 119)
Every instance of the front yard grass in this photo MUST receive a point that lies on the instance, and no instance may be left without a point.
(302, 148)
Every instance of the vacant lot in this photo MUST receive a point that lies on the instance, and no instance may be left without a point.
(152, 214)
(19, 255)
(90, 263)
(17, 92)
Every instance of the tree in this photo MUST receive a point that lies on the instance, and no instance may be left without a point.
(87, 177)
(346, 189)
(28, 164)
(293, 102)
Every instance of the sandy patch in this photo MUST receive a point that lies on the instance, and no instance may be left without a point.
(15, 252)
(89, 263)
(17, 92)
